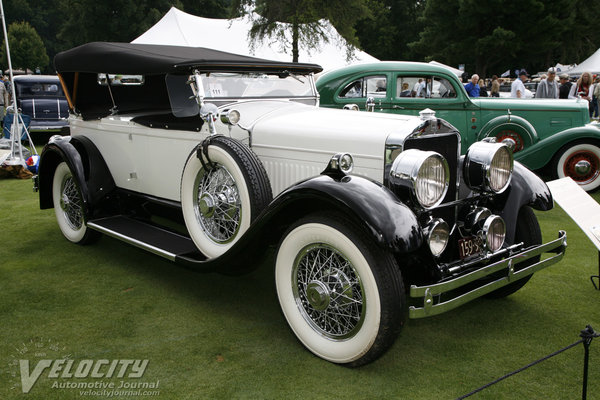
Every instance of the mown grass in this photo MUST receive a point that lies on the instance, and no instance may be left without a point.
(217, 337)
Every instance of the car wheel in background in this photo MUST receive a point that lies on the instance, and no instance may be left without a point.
(511, 138)
(581, 162)
(221, 198)
(341, 295)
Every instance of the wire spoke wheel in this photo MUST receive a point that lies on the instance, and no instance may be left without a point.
(218, 204)
(341, 295)
(70, 203)
(69, 207)
(222, 194)
(328, 291)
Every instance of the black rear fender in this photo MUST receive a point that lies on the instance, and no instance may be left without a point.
(86, 164)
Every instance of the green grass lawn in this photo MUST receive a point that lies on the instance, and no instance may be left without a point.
(217, 337)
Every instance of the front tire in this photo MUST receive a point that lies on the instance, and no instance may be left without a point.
(341, 295)
(68, 207)
(581, 162)
(220, 202)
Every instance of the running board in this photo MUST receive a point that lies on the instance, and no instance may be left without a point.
(148, 237)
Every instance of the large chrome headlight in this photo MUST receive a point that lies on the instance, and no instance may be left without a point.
(488, 167)
(425, 173)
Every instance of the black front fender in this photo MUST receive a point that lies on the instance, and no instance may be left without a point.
(526, 189)
(390, 222)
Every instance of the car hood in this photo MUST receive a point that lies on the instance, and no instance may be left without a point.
(331, 130)
(304, 138)
(530, 104)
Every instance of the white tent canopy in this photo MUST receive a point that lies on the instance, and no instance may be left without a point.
(591, 64)
(178, 28)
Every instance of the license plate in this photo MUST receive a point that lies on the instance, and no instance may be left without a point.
(469, 246)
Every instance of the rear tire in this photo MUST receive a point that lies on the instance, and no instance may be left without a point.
(341, 295)
(69, 207)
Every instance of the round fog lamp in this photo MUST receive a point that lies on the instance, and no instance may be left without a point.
(494, 230)
(438, 233)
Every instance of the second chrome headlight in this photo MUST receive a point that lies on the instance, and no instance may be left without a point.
(425, 173)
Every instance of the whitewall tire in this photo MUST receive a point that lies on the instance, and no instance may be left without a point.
(581, 162)
(342, 296)
(68, 206)
(220, 199)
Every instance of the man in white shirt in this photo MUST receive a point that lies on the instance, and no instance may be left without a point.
(423, 90)
(517, 88)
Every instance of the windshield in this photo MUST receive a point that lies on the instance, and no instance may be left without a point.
(228, 85)
(224, 88)
(39, 89)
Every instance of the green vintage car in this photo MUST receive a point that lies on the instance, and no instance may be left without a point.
(550, 136)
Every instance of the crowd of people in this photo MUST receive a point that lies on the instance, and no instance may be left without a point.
(587, 87)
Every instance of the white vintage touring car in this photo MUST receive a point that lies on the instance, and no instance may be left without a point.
(210, 159)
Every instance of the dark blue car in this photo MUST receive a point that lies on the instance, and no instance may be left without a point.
(42, 98)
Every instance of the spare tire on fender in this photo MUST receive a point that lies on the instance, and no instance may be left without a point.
(224, 188)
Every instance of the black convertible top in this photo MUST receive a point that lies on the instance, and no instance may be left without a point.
(134, 58)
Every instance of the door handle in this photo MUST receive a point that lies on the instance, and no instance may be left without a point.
(397, 107)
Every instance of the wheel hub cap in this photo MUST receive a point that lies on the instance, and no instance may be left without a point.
(207, 205)
(64, 201)
(583, 167)
(511, 143)
(318, 295)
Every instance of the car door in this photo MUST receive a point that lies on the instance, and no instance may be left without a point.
(414, 92)
(362, 87)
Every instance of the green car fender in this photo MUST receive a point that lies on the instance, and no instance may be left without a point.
(512, 126)
(542, 153)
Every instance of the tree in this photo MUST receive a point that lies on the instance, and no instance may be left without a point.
(305, 19)
(207, 8)
(26, 47)
(492, 35)
(110, 20)
(393, 25)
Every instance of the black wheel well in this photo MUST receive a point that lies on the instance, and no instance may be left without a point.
(301, 207)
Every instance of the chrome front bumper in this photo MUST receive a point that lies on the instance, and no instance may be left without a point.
(432, 306)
